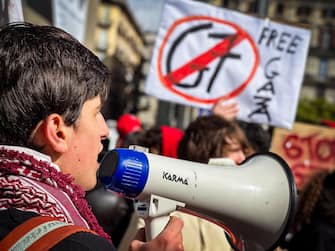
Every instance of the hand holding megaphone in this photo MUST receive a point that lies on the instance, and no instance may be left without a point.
(255, 199)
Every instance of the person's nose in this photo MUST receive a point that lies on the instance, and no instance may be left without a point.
(104, 129)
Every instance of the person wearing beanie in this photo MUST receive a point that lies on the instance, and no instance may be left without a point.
(171, 137)
(126, 125)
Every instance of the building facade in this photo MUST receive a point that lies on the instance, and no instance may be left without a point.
(112, 33)
(119, 43)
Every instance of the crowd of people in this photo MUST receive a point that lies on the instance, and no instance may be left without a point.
(52, 90)
(221, 135)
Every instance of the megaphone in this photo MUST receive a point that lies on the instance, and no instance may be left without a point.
(256, 199)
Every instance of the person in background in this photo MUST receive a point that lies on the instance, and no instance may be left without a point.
(205, 138)
(125, 126)
(225, 109)
(52, 89)
(258, 137)
(161, 140)
(213, 137)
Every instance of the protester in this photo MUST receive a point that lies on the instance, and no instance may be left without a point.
(213, 137)
(205, 138)
(225, 109)
(161, 140)
(171, 137)
(125, 126)
(52, 89)
(258, 137)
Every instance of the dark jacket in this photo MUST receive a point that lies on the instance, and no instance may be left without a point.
(82, 241)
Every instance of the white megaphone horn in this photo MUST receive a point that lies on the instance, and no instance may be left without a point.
(256, 199)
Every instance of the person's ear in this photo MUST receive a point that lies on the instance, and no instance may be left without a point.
(56, 133)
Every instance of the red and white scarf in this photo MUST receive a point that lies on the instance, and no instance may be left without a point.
(29, 181)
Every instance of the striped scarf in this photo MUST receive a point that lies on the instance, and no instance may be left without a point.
(29, 182)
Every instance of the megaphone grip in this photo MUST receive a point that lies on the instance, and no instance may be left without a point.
(155, 225)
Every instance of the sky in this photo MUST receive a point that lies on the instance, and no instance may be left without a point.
(147, 13)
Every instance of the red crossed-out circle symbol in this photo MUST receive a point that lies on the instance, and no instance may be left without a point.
(201, 61)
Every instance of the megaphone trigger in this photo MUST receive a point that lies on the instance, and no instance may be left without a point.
(155, 211)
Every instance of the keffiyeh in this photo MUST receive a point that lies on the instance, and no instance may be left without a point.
(30, 182)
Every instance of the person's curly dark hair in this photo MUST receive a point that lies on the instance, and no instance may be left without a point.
(207, 136)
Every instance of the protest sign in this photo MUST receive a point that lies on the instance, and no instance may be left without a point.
(204, 53)
(308, 150)
(71, 16)
(10, 11)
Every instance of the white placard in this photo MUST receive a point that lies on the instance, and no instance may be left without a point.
(204, 53)
(10, 11)
(71, 16)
